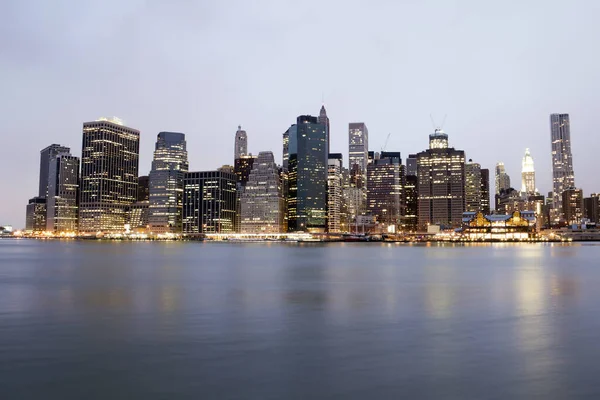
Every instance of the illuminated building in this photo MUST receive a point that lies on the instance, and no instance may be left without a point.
(591, 206)
(62, 201)
(137, 216)
(507, 201)
(502, 178)
(385, 177)
(307, 194)
(485, 190)
(109, 175)
(518, 225)
(261, 199)
(563, 176)
(358, 158)
(411, 201)
(334, 192)
(242, 168)
(241, 144)
(143, 192)
(472, 186)
(441, 183)
(572, 205)
(528, 174)
(35, 218)
(46, 155)
(166, 183)
(323, 119)
(209, 202)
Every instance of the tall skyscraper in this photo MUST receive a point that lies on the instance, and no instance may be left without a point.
(563, 176)
(109, 175)
(324, 120)
(241, 144)
(441, 183)
(209, 202)
(166, 183)
(502, 178)
(35, 218)
(385, 178)
(358, 149)
(485, 191)
(307, 194)
(334, 192)
(62, 202)
(528, 174)
(473, 187)
(261, 198)
(46, 155)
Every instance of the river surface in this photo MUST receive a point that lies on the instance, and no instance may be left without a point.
(108, 320)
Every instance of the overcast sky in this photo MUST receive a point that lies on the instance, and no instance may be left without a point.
(497, 69)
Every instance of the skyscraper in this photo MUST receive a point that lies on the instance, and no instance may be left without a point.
(473, 187)
(485, 191)
(572, 203)
(385, 178)
(261, 198)
(209, 202)
(109, 174)
(166, 183)
(563, 176)
(46, 155)
(502, 178)
(528, 174)
(324, 120)
(62, 202)
(441, 183)
(411, 165)
(358, 149)
(307, 194)
(334, 192)
(241, 144)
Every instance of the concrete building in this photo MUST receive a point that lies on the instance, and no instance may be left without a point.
(241, 144)
(166, 183)
(109, 175)
(441, 183)
(572, 206)
(62, 205)
(385, 178)
(473, 197)
(35, 217)
(209, 202)
(334, 193)
(261, 201)
(563, 176)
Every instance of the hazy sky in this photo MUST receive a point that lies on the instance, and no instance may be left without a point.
(497, 69)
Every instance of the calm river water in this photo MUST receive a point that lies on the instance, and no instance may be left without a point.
(87, 320)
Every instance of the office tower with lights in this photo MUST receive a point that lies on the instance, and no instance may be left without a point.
(563, 177)
(385, 178)
(241, 144)
(358, 151)
(334, 192)
(528, 175)
(46, 155)
(307, 177)
(485, 191)
(502, 178)
(209, 202)
(441, 183)
(143, 192)
(572, 203)
(35, 217)
(261, 198)
(109, 175)
(62, 201)
(472, 186)
(166, 183)
(323, 119)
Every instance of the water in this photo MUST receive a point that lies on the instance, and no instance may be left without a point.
(284, 321)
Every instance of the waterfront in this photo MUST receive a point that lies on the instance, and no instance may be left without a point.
(92, 319)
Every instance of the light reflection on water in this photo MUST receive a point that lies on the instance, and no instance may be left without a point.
(261, 320)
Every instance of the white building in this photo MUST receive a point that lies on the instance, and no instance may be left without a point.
(528, 174)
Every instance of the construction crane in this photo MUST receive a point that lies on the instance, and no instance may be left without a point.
(385, 143)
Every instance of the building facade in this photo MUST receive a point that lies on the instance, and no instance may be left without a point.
(591, 208)
(441, 183)
(563, 176)
(35, 217)
(334, 193)
(324, 120)
(385, 178)
(411, 165)
(143, 192)
(307, 177)
(166, 183)
(502, 178)
(62, 203)
(209, 202)
(528, 174)
(473, 196)
(241, 144)
(46, 155)
(262, 198)
(109, 175)
(572, 206)
(485, 191)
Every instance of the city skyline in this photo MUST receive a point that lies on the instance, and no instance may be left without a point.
(429, 73)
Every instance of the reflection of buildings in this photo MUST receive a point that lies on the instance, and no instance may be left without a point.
(515, 226)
